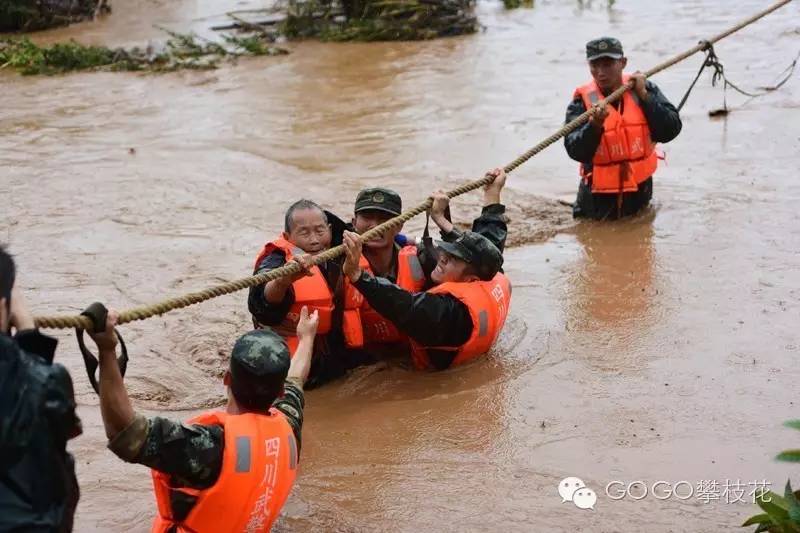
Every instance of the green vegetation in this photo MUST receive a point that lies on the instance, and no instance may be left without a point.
(180, 52)
(582, 4)
(30, 15)
(329, 20)
(379, 20)
(514, 4)
(792, 456)
(28, 58)
(780, 514)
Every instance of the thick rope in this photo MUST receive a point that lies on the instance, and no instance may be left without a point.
(159, 308)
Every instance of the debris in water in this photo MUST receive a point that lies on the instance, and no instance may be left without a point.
(181, 51)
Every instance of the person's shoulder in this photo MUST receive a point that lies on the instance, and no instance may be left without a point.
(576, 105)
(197, 434)
(651, 86)
(338, 227)
(9, 350)
(274, 259)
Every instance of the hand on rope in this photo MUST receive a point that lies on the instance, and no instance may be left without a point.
(598, 114)
(491, 191)
(440, 212)
(304, 263)
(638, 85)
(159, 308)
(105, 335)
(352, 247)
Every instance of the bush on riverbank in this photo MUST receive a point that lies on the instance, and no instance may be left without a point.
(30, 15)
(345, 20)
(180, 52)
(379, 20)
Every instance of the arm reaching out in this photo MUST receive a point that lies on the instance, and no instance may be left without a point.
(306, 330)
(491, 192)
(115, 405)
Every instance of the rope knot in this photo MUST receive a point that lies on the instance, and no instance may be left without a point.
(706, 45)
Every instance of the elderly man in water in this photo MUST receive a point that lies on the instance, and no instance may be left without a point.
(349, 329)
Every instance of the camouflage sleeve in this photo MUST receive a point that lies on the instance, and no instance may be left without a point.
(291, 405)
(191, 454)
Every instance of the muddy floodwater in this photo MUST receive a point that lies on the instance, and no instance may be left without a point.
(662, 348)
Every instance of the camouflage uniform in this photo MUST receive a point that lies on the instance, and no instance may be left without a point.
(192, 453)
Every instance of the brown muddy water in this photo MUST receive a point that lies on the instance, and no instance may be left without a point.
(662, 348)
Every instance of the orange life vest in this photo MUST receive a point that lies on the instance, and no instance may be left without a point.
(626, 155)
(361, 317)
(312, 291)
(259, 467)
(488, 303)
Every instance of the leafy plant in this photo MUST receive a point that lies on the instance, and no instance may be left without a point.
(792, 456)
(30, 15)
(181, 51)
(379, 20)
(29, 58)
(781, 514)
(514, 4)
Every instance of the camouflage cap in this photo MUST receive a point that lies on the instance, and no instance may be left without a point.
(476, 250)
(604, 47)
(380, 199)
(259, 365)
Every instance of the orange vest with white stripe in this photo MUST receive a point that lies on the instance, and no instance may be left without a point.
(259, 467)
(360, 316)
(311, 291)
(488, 303)
(626, 155)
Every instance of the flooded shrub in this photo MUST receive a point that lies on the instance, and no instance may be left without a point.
(30, 15)
(380, 20)
(180, 52)
(514, 4)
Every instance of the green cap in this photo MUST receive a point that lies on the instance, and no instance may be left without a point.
(476, 250)
(604, 47)
(259, 365)
(380, 199)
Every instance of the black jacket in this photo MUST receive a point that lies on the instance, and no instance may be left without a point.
(665, 124)
(415, 313)
(38, 488)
